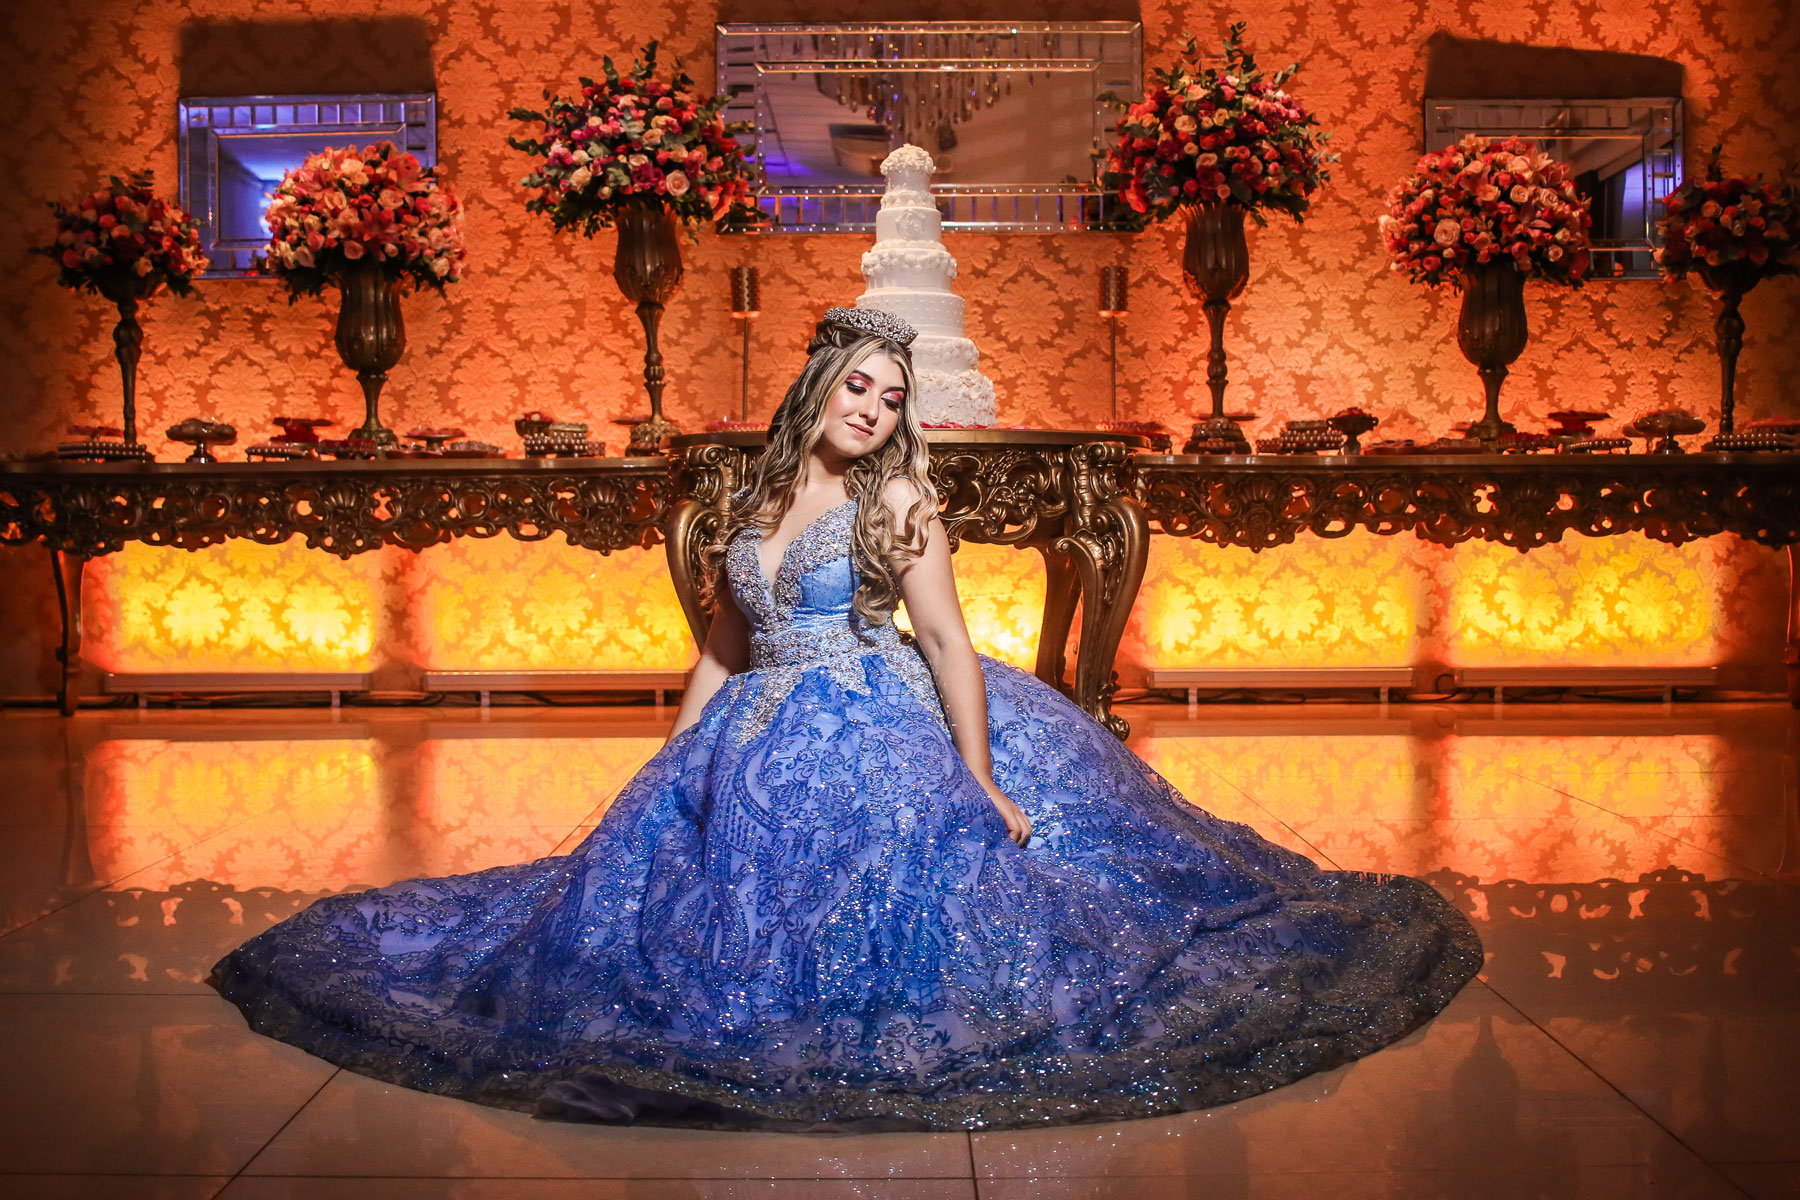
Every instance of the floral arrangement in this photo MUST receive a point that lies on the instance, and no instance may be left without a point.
(1227, 133)
(1483, 200)
(342, 208)
(631, 138)
(123, 238)
(1719, 220)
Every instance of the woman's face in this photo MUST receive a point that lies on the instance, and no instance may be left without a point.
(861, 415)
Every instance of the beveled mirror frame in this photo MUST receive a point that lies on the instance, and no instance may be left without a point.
(749, 53)
(1654, 122)
(408, 119)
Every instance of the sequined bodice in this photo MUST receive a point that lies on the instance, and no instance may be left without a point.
(804, 618)
(805, 613)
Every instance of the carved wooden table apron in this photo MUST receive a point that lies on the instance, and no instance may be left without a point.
(1060, 492)
(1519, 500)
(80, 510)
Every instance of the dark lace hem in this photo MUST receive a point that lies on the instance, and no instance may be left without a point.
(1393, 984)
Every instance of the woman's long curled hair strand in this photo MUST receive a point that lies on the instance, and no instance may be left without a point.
(879, 544)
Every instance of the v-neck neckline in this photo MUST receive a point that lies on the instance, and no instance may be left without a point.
(768, 581)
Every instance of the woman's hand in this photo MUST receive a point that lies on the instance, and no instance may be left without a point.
(1018, 825)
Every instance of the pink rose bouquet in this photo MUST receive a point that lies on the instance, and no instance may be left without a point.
(342, 208)
(123, 239)
(1485, 200)
(633, 138)
(1720, 219)
(1221, 134)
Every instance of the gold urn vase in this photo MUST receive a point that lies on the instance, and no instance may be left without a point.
(1491, 332)
(1215, 261)
(648, 270)
(370, 339)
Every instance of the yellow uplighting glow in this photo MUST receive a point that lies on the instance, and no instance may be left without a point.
(501, 604)
(1583, 600)
(236, 607)
(1355, 601)
(312, 800)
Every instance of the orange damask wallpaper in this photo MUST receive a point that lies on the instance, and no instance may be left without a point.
(90, 87)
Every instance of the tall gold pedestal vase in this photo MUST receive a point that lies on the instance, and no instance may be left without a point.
(1215, 260)
(648, 270)
(128, 339)
(1729, 281)
(1491, 332)
(370, 339)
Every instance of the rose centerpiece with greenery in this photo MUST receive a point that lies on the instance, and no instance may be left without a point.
(1217, 144)
(126, 243)
(638, 152)
(368, 222)
(1485, 215)
(1734, 231)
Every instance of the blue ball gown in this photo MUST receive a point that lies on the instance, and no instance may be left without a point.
(804, 913)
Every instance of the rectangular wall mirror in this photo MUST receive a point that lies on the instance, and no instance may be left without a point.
(1626, 155)
(1009, 111)
(235, 149)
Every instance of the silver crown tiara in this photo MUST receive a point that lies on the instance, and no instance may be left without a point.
(874, 321)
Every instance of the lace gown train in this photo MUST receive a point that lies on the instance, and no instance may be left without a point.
(804, 913)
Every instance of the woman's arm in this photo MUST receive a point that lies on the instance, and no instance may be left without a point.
(928, 586)
(727, 651)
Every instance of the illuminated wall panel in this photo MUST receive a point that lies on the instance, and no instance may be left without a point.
(510, 605)
(1584, 600)
(1352, 602)
(236, 607)
(1002, 593)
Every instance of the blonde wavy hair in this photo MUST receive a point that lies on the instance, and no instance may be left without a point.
(879, 544)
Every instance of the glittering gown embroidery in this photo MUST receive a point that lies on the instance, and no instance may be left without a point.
(804, 913)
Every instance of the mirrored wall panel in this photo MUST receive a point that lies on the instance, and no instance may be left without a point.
(1626, 155)
(1010, 112)
(235, 149)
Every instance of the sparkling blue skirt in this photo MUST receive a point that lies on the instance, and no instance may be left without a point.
(804, 913)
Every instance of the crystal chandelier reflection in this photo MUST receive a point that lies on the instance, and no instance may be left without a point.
(921, 107)
(919, 88)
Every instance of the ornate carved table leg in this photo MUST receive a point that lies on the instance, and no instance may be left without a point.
(1792, 654)
(67, 569)
(1109, 544)
(710, 474)
(1062, 589)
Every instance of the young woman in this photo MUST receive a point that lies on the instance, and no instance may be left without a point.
(870, 882)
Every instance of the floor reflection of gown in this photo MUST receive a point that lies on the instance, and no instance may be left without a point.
(804, 913)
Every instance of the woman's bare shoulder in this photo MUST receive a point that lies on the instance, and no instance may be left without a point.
(901, 493)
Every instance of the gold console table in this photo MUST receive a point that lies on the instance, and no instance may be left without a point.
(83, 510)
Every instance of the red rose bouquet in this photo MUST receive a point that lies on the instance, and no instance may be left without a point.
(1719, 220)
(1484, 200)
(124, 239)
(345, 208)
(1225, 133)
(632, 137)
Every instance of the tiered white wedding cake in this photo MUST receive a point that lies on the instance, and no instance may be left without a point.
(909, 274)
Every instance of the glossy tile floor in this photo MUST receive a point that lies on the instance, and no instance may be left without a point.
(1632, 871)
